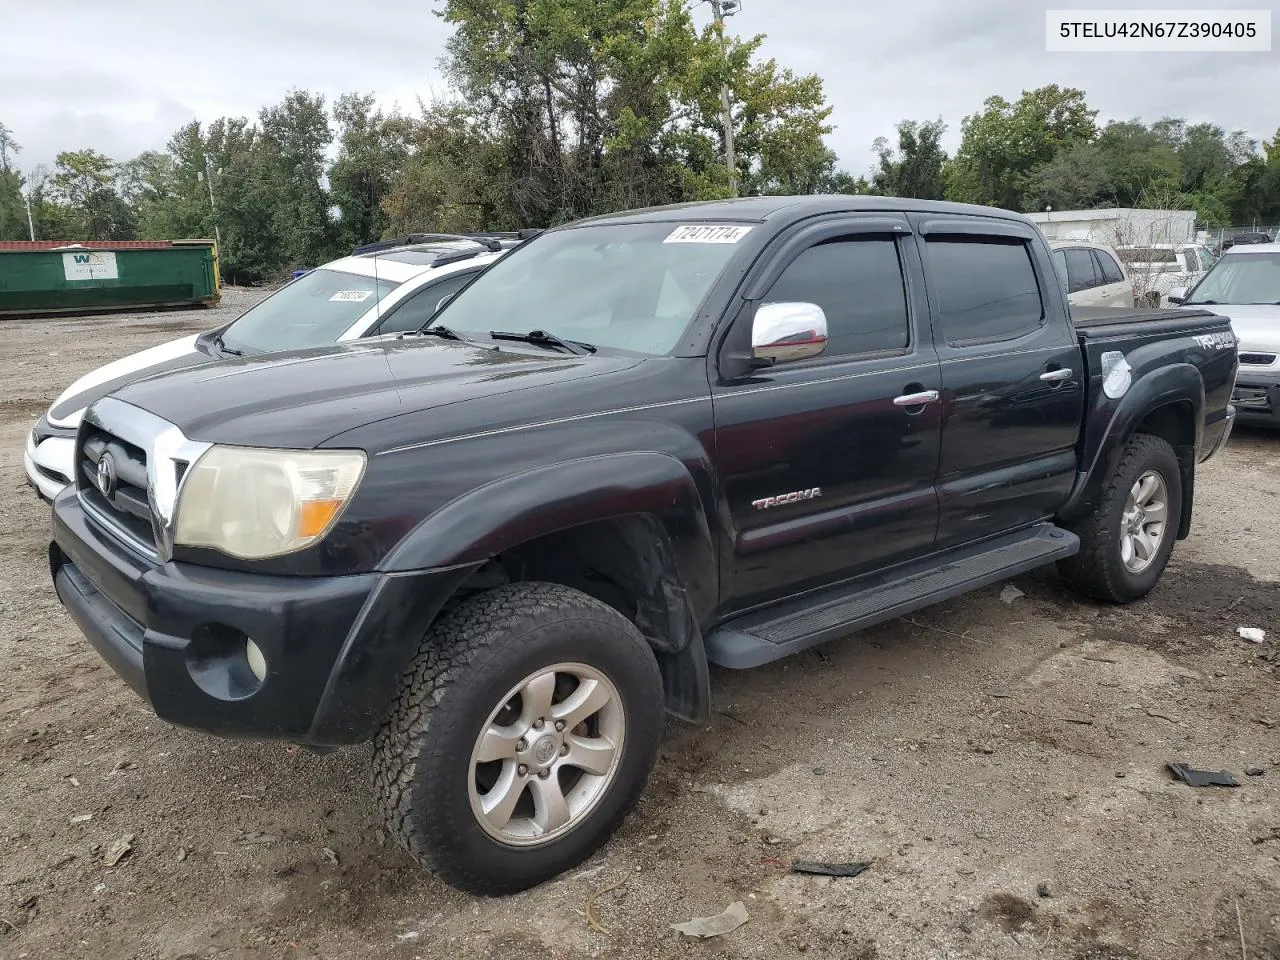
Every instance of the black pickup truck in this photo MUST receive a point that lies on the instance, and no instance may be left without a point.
(637, 446)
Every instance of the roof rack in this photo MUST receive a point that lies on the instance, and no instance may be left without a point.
(491, 240)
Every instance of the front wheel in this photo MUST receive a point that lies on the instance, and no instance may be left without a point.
(1128, 536)
(524, 732)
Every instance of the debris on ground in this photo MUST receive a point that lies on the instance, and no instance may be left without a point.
(591, 900)
(1203, 778)
(119, 850)
(1010, 593)
(182, 854)
(1252, 634)
(1254, 772)
(734, 916)
(329, 856)
(819, 869)
(82, 818)
(1043, 889)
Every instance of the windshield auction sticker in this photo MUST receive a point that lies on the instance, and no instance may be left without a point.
(351, 296)
(702, 233)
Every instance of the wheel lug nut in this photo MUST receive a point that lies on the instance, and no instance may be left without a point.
(539, 723)
(544, 774)
(522, 770)
(559, 724)
(521, 745)
(564, 749)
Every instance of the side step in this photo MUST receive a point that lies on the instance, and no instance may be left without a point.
(759, 638)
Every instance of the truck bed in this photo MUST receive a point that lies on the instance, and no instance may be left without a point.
(1095, 322)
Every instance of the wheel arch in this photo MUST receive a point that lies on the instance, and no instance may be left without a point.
(629, 529)
(1167, 403)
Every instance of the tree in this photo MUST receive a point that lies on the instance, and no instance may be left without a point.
(13, 209)
(290, 157)
(8, 145)
(914, 169)
(372, 149)
(84, 183)
(1002, 147)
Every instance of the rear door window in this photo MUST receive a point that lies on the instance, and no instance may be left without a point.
(1108, 269)
(986, 288)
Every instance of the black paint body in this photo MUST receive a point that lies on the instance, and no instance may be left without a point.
(472, 452)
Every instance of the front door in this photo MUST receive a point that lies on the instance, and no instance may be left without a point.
(826, 471)
(1012, 377)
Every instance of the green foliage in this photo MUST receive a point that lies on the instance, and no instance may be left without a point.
(915, 168)
(13, 210)
(1002, 148)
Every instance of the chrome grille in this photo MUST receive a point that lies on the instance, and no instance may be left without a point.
(118, 495)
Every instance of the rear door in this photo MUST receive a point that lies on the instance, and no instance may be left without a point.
(1012, 377)
(827, 470)
(1084, 285)
(1115, 289)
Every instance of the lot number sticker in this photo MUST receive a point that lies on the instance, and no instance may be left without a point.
(698, 233)
(90, 266)
(351, 296)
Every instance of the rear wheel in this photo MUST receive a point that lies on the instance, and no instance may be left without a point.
(1127, 538)
(523, 734)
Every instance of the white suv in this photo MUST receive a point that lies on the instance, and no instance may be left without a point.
(1094, 274)
(385, 288)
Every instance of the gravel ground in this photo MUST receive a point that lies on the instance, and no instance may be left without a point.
(1000, 764)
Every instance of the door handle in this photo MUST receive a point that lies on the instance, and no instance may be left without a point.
(916, 399)
(1056, 376)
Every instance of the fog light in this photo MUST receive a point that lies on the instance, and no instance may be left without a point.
(256, 658)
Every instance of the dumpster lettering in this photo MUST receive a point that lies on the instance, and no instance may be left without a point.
(90, 266)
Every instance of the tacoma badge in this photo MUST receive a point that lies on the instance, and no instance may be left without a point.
(783, 499)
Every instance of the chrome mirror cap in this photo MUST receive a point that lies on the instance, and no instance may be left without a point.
(786, 332)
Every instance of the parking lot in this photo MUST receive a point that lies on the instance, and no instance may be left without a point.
(999, 760)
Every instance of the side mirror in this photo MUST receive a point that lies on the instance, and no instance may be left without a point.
(786, 332)
(1176, 295)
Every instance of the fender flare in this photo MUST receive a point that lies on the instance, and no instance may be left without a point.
(1178, 383)
(485, 522)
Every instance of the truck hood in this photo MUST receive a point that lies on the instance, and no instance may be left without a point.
(299, 400)
(1256, 325)
(174, 355)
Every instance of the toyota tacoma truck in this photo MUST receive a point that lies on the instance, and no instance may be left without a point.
(503, 548)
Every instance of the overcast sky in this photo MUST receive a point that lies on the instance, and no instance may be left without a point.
(121, 75)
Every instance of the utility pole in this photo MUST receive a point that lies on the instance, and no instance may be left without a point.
(721, 9)
(31, 227)
(208, 179)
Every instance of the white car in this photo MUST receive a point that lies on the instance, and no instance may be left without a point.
(1245, 286)
(1158, 268)
(1094, 275)
(390, 289)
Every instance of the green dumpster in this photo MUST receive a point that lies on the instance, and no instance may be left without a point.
(53, 277)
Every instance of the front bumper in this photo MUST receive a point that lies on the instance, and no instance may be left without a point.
(1257, 398)
(334, 646)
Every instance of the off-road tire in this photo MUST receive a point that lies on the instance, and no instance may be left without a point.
(464, 665)
(1098, 571)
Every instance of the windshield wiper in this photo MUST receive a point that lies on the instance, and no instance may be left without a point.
(222, 347)
(543, 339)
(439, 330)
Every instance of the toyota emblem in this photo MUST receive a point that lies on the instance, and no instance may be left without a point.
(107, 475)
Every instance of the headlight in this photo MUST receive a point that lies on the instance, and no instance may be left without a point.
(253, 503)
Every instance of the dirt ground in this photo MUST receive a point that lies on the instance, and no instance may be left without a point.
(1000, 764)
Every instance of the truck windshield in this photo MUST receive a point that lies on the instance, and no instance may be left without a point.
(312, 311)
(1241, 278)
(629, 287)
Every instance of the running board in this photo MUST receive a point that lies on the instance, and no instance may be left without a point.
(760, 638)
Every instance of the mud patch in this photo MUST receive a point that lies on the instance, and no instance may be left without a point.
(1008, 910)
(22, 409)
